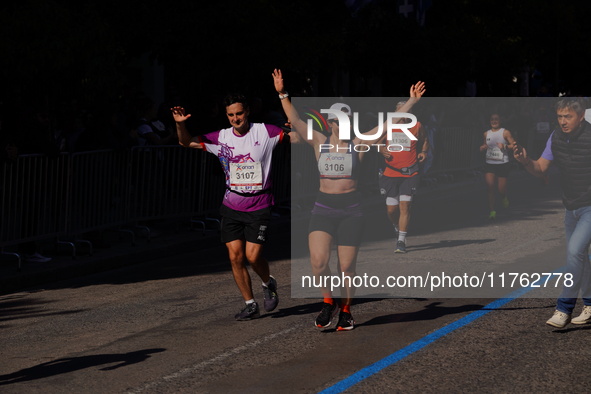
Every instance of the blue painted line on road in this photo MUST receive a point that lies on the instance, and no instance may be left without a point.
(421, 343)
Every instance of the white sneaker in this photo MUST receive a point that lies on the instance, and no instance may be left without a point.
(584, 317)
(37, 258)
(559, 319)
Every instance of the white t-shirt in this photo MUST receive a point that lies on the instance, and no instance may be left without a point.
(246, 161)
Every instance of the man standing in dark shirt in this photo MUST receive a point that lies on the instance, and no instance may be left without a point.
(569, 148)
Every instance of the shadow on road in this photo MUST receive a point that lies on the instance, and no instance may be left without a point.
(451, 244)
(71, 364)
(430, 312)
(18, 306)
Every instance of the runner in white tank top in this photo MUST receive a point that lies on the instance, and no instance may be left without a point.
(498, 142)
(496, 153)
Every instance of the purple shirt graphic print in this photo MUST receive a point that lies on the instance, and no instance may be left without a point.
(246, 161)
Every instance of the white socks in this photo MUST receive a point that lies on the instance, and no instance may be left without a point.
(402, 236)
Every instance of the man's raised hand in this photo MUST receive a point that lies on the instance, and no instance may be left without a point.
(178, 114)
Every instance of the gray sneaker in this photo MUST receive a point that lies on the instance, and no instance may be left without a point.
(270, 295)
(400, 247)
(559, 319)
(584, 317)
(250, 311)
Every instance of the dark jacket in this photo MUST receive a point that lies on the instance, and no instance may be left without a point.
(572, 155)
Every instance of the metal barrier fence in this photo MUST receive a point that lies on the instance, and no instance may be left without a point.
(33, 192)
(456, 149)
(166, 182)
(72, 194)
(98, 184)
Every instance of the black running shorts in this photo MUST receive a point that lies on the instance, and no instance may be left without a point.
(399, 186)
(340, 215)
(249, 226)
(501, 170)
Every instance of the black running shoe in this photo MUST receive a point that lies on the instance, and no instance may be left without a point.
(400, 247)
(346, 322)
(326, 314)
(270, 295)
(250, 311)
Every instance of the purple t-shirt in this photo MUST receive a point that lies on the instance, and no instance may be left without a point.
(547, 153)
(246, 160)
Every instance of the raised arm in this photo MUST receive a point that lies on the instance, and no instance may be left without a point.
(185, 138)
(293, 117)
(416, 92)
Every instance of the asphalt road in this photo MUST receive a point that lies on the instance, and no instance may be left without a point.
(167, 325)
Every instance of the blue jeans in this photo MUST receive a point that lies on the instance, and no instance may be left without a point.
(577, 224)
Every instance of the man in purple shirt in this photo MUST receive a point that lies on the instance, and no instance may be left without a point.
(569, 148)
(245, 151)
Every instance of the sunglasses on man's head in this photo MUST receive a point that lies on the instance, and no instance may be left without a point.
(336, 121)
